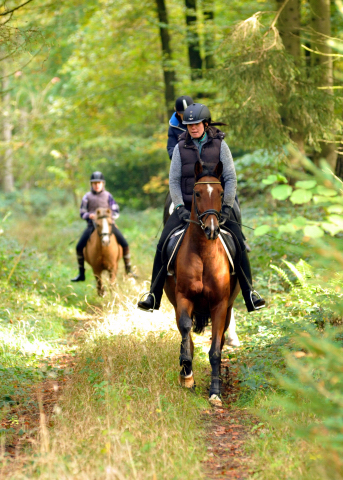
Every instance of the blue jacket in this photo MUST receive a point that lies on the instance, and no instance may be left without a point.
(175, 129)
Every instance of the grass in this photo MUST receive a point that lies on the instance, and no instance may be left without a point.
(122, 414)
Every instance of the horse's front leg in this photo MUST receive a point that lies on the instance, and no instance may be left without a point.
(184, 323)
(99, 285)
(218, 315)
(112, 274)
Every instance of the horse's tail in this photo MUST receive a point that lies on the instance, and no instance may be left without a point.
(200, 322)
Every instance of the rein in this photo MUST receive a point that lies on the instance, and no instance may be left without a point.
(206, 213)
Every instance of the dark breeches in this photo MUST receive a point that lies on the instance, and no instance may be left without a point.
(172, 222)
(237, 231)
(88, 232)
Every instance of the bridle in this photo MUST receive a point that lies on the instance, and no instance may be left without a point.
(206, 213)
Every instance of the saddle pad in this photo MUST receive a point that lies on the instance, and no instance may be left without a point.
(229, 247)
(175, 240)
(173, 246)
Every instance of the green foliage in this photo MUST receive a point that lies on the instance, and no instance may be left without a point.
(325, 191)
(252, 168)
(261, 86)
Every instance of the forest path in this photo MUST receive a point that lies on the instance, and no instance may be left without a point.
(227, 427)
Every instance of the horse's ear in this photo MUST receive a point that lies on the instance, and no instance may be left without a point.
(98, 212)
(218, 169)
(108, 212)
(197, 169)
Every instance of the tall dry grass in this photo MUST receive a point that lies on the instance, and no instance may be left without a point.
(122, 414)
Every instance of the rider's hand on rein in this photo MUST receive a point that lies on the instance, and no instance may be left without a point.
(183, 213)
(225, 212)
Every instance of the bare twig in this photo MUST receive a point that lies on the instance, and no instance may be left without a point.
(26, 64)
(7, 20)
(321, 53)
(16, 8)
(278, 14)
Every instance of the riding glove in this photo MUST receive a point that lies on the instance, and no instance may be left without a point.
(183, 213)
(225, 212)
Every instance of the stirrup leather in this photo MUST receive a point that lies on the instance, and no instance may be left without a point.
(150, 309)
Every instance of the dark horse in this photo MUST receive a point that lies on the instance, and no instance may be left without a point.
(203, 286)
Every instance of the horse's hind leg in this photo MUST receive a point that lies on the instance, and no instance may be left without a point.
(232, 337)
(186, 378)
(218, 316)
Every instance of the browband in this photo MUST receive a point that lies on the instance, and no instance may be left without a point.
(197, 183)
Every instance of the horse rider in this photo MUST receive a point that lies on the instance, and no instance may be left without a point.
(176, 128)
(98, 197)
(202, 141)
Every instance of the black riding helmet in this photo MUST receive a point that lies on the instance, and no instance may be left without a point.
(196, 113)
(182, 103)
(97, 177)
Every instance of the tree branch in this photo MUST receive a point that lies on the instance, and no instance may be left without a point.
(16, 8)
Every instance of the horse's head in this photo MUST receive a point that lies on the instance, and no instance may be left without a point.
(103, 223)
(208, 198)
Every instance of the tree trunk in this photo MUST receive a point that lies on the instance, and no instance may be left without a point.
(320, 31)
(208, 12)
(289, 28)
(7, 177)
(193, 42)
(168, 70)
(339, 165)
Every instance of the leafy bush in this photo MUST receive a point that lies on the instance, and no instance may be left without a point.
(253, 167)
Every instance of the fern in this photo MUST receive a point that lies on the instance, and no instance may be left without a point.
(282, 274)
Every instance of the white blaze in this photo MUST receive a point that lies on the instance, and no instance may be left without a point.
(105, 231)
(209, 189)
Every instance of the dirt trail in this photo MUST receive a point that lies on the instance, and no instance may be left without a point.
(24, 421)
(227, 431)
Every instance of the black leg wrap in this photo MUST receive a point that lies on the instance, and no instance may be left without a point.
(215, 388)
(186, 365)
(185, 324)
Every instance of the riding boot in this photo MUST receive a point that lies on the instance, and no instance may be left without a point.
(159, 273)
(252, 299)
(81, 276)
(127, 262)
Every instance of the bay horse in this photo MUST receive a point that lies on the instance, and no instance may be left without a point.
(203, 286)
(102, 251)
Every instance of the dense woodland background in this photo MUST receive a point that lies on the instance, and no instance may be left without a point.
(91, 86)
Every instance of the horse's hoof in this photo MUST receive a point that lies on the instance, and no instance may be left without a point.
(187, 382)
(215, 400)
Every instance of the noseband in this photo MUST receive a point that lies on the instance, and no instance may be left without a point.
(205, 214)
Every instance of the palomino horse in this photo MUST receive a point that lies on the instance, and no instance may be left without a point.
(102, 251)
(204, 286)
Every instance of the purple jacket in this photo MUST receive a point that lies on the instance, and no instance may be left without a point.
(93, 200)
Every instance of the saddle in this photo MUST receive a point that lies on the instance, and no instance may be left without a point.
(174, 241)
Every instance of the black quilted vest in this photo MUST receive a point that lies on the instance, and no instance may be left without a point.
(210, 154)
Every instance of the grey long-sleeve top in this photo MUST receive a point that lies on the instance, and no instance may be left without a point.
(229, 175)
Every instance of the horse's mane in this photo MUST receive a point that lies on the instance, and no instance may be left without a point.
(207, 171)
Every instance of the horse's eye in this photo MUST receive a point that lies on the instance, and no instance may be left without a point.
(197, 194)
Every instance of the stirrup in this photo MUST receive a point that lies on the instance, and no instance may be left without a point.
(150, 309)
(259, 296)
